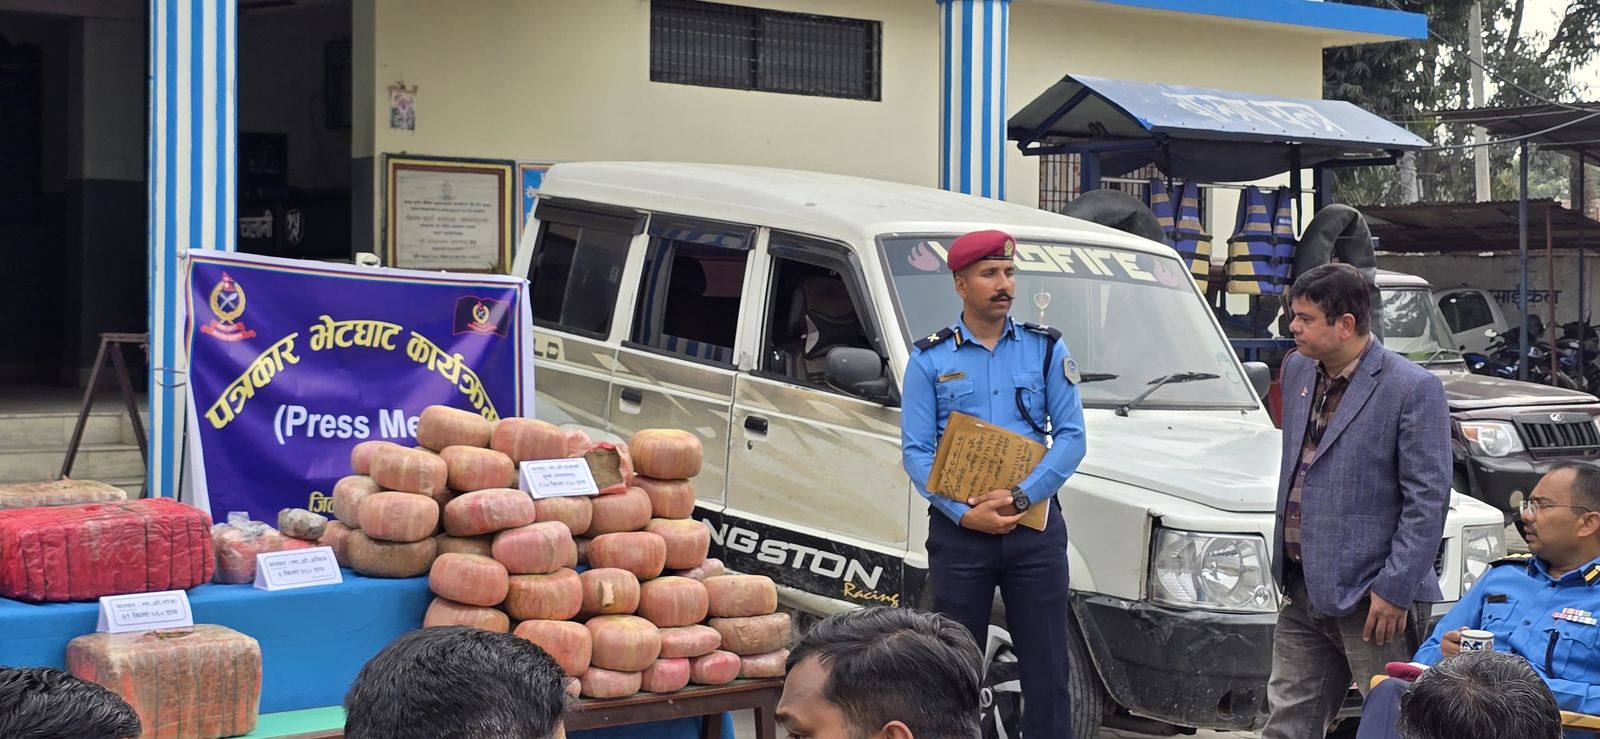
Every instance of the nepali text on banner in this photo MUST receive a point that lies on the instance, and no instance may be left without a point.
(293, 363)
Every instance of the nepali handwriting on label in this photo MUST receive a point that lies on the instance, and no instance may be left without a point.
(144, 611)
(551, 478)
(297, 568)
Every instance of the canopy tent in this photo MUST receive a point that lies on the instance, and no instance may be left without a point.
(1470, 227)
(1202, 134)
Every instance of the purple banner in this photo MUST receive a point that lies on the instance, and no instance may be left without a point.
(293, 363)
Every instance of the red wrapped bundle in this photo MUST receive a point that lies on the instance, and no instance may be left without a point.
(203, 683)
(81, 552)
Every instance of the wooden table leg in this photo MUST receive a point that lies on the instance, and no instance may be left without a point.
(711, 726)
(766, 716)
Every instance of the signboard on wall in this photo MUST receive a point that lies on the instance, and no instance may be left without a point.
(448, 214)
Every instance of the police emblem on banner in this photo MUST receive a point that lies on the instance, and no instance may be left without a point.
(483, 316)
(227, 304)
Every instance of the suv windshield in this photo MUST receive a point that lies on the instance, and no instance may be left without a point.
(1128, 317)
(1414, 327)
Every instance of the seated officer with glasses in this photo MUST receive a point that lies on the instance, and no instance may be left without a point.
(1540, 606)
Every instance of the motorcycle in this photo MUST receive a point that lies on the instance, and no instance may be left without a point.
(1506, 350)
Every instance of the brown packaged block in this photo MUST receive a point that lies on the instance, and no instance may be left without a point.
(59, 492)
(203, 683)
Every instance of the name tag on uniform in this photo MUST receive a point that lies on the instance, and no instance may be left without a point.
(1495, 598)
(948, 376)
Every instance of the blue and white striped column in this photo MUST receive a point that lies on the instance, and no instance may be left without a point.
(972, 110)
(192, 176)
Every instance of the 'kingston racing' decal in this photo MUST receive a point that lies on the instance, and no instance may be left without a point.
(819, 566)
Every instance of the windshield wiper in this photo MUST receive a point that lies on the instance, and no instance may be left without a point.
(1097, 377)
(1435, 354)
(1161, 382)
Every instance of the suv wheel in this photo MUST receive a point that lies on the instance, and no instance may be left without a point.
(1001, 702)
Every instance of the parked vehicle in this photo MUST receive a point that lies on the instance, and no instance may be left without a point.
(1507, 434)
(1471, 314)
(1547, 365)
(772, 313)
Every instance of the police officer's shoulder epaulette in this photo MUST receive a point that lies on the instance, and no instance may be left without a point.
(1515, 558)
(933, 339)
(1591, 574)
(1050, 331)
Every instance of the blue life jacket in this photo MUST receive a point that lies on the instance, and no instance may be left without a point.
(1182, 227)
(1261, 252)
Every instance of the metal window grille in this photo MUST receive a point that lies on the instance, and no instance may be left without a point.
(1061, 180)
(731, 46)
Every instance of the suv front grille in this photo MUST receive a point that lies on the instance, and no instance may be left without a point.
(1559, 432)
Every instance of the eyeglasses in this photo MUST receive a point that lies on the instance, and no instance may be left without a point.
(1532, 507)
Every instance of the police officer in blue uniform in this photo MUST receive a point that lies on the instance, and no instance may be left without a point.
(1019, 376)
(1540, 606)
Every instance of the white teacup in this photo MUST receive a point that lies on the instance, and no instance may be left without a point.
(1473, 640)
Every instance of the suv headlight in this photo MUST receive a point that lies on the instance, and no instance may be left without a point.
(1480, 546)
(1220, 572)
(1492, 438)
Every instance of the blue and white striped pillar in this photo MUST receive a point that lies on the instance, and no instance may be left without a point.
(192, 176)
(972, 110)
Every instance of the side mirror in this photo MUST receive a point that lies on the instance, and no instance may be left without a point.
(860, 372)
(1260, 377)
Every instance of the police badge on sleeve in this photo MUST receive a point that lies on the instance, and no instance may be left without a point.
(1069, 366)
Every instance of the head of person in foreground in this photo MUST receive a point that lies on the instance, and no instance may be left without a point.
(882, 673)
(457, 682)
(1480, 695)
(45, 703)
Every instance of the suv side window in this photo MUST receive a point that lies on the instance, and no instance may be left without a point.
(810, 310)
(576, 269)
(689, 293)
(1466, 311)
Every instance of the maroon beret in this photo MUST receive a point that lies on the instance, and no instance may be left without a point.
(977, 245)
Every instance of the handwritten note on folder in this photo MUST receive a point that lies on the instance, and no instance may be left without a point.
(975, 457)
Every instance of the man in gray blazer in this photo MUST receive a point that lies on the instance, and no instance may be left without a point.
(1362, 495)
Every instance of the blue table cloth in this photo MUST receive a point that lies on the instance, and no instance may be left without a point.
(313, 640)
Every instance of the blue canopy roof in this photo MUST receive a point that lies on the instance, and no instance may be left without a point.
(1200, 133)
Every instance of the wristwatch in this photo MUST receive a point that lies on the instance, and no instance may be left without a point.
(1019, 499)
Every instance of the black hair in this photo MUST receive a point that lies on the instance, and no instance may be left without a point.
(456, 682)
(1585, 483)
(45, 703)
(896, 664)
(1337, 289)
(1479, 695)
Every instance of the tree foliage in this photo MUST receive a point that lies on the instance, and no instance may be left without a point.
(1409, 82)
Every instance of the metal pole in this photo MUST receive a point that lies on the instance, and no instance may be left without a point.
(1583, 217)
(1522, 255)
(1550, 297)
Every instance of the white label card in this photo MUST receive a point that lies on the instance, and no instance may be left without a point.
(168, 609)
(553, 478)
(297, 568)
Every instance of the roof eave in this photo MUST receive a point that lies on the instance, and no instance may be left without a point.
(1332, 23)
